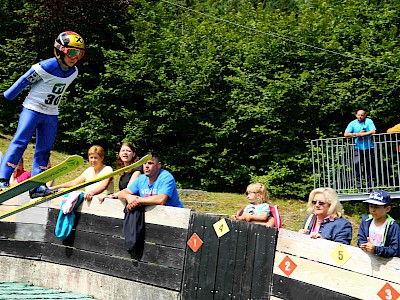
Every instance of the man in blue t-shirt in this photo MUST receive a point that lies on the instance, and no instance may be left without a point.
(362, 130)
(155, 187)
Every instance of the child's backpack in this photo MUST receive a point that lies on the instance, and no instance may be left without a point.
(277, 216)
(275, 212)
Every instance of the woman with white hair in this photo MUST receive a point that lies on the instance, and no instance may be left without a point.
(326, 220)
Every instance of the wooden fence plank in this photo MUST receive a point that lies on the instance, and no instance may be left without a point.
(320, 250)
(208, 259)
(160, 234)
(247, 274)
(226, 262)
(241, 254)
(114, 266)
(192, 260)
(333, 278)
(8, 229)
(263, 262)
(287, 288)
(166, 235)
(30, 232)
(17, 248)
(115, 246)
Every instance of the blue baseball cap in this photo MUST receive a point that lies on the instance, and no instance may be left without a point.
(379, 197)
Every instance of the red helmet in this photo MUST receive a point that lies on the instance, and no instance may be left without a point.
(69, 43)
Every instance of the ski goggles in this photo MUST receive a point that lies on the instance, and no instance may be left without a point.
(72, 53)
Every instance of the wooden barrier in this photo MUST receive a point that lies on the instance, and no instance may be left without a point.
(306, 268)
(246, 261)
(93, 259)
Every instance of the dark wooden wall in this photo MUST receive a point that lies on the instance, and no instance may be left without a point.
(244, 263)
(97, 244)
(238, 265)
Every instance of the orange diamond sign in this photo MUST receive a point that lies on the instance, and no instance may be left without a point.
(388, 292)
(195, 242)
(287, 266)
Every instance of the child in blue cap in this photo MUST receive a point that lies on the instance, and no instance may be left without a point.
(379, 233)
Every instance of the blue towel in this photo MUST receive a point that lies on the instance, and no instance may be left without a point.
(65, 222)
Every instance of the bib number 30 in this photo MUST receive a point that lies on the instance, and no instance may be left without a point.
(52, 99)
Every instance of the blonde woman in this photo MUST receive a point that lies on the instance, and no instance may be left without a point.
(326, 220)
(258, 210)
(96, 169)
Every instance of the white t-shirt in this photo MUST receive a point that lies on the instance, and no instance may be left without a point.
(377, 233)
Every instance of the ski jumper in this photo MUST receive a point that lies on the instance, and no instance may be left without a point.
(39, 114)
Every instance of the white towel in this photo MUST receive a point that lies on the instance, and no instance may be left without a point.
(70, 201)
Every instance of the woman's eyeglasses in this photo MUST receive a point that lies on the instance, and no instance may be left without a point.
(321, 203)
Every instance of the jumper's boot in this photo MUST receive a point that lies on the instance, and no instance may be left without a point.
(40, 191)
(4, 184)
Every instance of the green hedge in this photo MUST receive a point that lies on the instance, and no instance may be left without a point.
(224, 102)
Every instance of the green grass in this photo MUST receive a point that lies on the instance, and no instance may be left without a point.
(225, 204)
